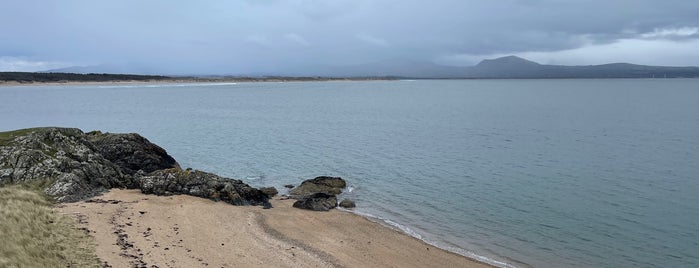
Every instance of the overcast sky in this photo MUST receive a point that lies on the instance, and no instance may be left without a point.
(234, 37)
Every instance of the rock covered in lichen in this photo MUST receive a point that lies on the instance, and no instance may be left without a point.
(62, 159)
(71, 166)
(201, 184)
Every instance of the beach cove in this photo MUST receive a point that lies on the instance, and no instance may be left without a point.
(183, 218)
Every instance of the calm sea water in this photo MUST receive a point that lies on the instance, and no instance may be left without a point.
(547, 173)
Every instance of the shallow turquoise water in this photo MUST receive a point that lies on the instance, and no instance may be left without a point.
(547, 173)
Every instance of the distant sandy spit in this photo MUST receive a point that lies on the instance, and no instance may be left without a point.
(136, 230)
(90, 83)
(191, 81)
(115, 83)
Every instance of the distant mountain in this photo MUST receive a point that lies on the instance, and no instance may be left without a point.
(507, 62)
(501, 68)
(515, 67)
(506, 67)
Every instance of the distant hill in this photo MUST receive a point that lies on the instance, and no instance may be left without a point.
(515, 67)
(501, 68)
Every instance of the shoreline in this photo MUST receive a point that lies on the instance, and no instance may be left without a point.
(387, 223)
(193, 81)
(4, 83)
(184, 231)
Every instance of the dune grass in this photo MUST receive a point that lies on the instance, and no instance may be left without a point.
(33, 235)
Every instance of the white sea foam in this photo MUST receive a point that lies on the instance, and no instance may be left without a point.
(166, 85)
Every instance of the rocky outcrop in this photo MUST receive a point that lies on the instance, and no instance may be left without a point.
(201, 184)
(322, 184)
(317, 202)
(131, 152)
(71, 165)
(61, 159)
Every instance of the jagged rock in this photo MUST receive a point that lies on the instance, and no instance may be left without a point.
(289, 186)
(61, 159)
(346, 203)
(322, 184)
(131, 152)
(201, 184)
(317, 202)
(71, 166)
(269, 191)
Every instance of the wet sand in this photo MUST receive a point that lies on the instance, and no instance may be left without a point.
(136, 230)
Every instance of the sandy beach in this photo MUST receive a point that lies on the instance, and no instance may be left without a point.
(136, 230)
(93, 83)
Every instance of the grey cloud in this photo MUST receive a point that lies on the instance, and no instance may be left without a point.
(297, 39)
(264, 36)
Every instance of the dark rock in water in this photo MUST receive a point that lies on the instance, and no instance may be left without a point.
(322, 184)
(131, 152)
(71, 166)
(346, 203)
(317, 202)
(202, 184)
(289, 186)
(269, 191)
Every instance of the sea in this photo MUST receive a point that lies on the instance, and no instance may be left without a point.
(516, 173)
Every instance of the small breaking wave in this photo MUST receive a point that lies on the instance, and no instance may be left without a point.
(167, 85)
(407, 230)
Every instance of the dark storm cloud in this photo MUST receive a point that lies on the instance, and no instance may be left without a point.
(268, 35)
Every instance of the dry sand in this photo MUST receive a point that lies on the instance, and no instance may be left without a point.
(136, 230)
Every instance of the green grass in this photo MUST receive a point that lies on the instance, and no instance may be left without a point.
(33, 235)
(7, 136)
